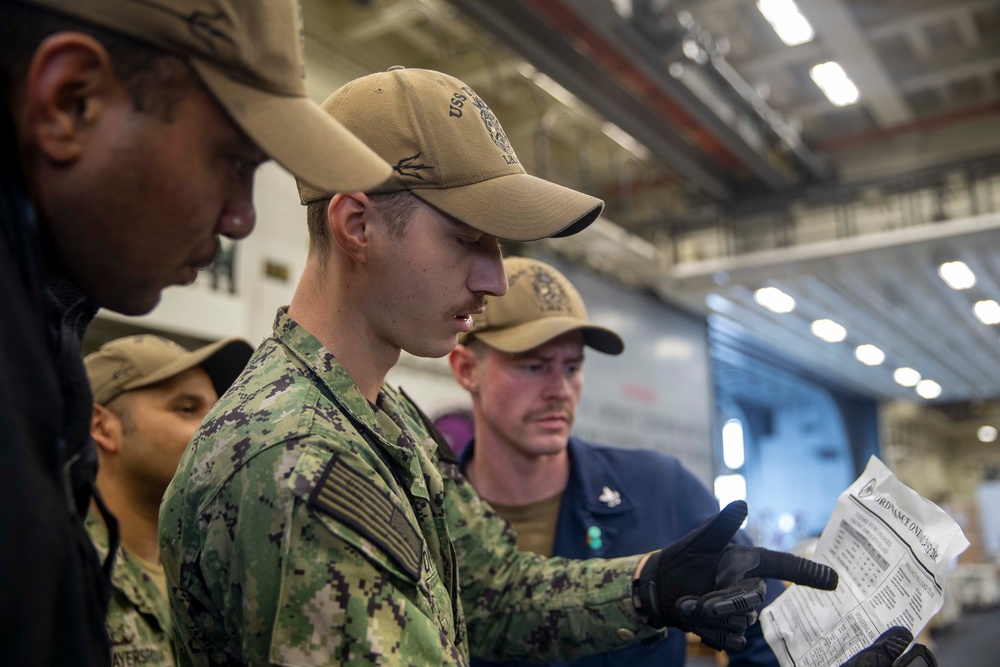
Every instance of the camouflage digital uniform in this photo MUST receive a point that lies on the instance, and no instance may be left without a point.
(138, 617)
(306, 526)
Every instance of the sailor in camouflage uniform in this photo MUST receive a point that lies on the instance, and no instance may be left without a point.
(313, 519)
(149, 396)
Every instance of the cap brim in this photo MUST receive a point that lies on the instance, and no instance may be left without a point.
(524, 337)
(298, 135)
(516, 207)
(226, 362)
(223, 361)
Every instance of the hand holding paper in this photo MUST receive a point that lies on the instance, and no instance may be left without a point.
(887, 649)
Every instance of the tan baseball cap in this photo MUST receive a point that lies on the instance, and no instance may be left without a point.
(540, 305)
(248, 53)
(447, 148)
(140, 361)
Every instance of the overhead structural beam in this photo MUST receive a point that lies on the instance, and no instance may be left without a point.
(967, 29)
(945, 11)
(694, 112)
(937, 80)
(702, 86)
(965, 70)
(768, 260)
(543, 46)
(784, 57)
(851, 50)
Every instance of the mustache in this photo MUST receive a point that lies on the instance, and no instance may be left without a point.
(562, 410)
(474, 306)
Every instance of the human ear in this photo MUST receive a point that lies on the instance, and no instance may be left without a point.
(463, 366)
(348, 219)
(106, 429)
(69, 83)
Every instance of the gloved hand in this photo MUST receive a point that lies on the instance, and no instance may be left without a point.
(887, 651)
(704, 584)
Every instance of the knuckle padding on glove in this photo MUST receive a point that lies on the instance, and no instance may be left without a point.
(883, 651)
(721, 619)
(742, 599)
(724, 641)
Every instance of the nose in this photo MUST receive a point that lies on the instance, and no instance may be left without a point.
(557, 384)
(488, 276)
(238, 216)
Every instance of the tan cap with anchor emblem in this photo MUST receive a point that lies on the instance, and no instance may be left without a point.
(141, 361)
(447, 148)
(248, 53)
(540, 305)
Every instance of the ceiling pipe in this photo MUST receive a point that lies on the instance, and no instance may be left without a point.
(934, 122)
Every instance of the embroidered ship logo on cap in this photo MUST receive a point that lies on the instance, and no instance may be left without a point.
(493, 127)
(551, 295)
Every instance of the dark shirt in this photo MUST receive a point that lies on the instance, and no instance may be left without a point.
(53, 594)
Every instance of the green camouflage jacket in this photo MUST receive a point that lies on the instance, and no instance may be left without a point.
(305, 526)
(138, 616)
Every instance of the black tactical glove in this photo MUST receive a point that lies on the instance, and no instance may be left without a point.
(887, 651)
(705, 585)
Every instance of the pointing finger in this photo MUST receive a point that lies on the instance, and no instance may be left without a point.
(779, 565)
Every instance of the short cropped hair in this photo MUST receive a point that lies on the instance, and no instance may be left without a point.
(396, 207)
(121, 407)
(156, 81)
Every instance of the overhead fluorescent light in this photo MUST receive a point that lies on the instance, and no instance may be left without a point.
(957, 275)
(928, 389)
(774, 300)
(729, 488)
(829, 331)
(906, 376)
(624, 8)
(786, 19)
(869, 355)
(786, 522)
(733, 454)
(987, 433)
(988, 311)
(835, 84)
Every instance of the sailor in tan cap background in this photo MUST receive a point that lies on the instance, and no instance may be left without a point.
(150, 394)
(523, 366)
(130, 131)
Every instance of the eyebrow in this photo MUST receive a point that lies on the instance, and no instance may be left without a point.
(462, 226)
(191, 396)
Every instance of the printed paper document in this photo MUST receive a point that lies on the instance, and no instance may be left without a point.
(892, 549)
